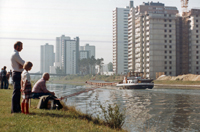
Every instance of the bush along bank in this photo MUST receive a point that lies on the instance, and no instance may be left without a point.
(80, 80)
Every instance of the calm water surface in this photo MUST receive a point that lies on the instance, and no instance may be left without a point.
(146, 110)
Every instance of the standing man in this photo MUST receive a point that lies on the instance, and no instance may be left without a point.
(17, 67)
(3, 77)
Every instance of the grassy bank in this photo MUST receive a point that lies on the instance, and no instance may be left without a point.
(80, 80)
(67, 119)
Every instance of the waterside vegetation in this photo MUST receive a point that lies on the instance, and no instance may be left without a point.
(80, 80)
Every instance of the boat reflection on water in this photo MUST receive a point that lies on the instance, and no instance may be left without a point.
(146, 110)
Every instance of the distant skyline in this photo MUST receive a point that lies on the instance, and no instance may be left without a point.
(36, 23)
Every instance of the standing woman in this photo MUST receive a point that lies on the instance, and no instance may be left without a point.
(17, 67)
(26, 87)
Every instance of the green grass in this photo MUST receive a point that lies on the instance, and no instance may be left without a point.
(80, 80)
(68, 119)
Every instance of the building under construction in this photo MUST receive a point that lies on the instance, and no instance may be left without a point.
(189, 44)
(162, 41)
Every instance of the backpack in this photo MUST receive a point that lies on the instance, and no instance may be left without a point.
(45, 102)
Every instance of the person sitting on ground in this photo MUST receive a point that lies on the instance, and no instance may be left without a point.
(39, 89)
(3, 75)
(26, 87)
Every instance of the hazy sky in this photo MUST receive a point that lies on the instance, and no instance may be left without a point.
(36, 22)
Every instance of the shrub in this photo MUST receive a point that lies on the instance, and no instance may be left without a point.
(113, 117)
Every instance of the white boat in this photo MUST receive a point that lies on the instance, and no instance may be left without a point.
(134, 81)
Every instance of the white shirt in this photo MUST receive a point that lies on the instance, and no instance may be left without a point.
(16, 60)
(25, 76)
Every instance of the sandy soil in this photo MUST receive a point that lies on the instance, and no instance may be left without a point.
(186, 77)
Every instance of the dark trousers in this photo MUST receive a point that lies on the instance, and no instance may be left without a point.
(38, 95)
(16, 92)
(3, 82)
(7, 84)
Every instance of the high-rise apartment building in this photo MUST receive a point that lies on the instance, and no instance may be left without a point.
(70, 56)
(187, 42)
(152, 39)
(90, 49)
(155, 39)
(58, 55)
(46, 57)
(120, 40)
(131, 38)
(67, 54)
(84, 54)
(160, 40)
(87, 51)
(194, 40)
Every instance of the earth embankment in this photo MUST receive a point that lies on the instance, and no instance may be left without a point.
(186, 77)
(187, 81)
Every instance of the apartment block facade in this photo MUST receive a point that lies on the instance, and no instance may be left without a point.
(120, 40)
(70, 56)
(67, 54)
(131, 39)
(46, 57)
(59, 52)
(90, 50)
(155, 39)
(160, 40)
(83, 54)
(194, 40)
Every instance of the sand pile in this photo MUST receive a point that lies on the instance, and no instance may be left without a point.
(186, 77)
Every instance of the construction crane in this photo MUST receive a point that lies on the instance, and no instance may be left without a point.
(184, 6)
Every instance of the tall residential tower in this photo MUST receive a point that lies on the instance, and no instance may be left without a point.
(46, 57)
(159, 40)
(194, 41)
(120, 40)
(67, 54)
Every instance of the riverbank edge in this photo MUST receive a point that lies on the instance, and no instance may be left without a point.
(156, 85)
(169, 84)
(68, 114)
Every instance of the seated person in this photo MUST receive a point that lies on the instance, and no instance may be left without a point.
(39, 89)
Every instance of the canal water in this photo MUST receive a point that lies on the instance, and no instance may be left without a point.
(170, 110)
